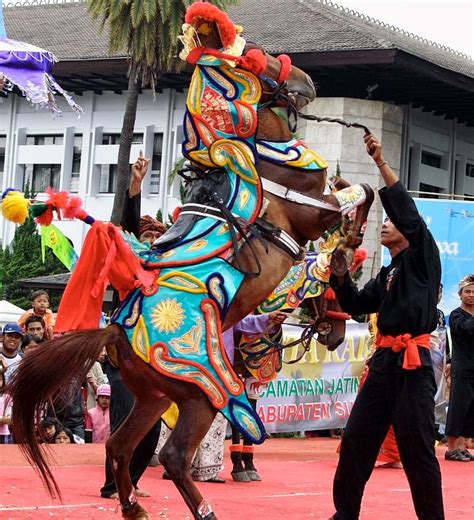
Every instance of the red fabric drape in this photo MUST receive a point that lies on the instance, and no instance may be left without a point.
(105, 258)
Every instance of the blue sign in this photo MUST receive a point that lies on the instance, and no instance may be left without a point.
(452, 225)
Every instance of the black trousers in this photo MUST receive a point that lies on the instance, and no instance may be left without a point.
(404, 398)
(460, 420)
(121, 403)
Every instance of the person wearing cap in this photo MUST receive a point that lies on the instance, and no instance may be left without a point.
(10, 350)
(98, 419)
(400, 385)
(460, 420)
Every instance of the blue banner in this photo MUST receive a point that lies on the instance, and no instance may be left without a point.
(452, 225)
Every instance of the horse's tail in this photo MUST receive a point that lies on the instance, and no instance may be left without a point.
(45, 374)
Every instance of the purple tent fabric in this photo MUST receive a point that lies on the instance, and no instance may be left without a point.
(29, 68)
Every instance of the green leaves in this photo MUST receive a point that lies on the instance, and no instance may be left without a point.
(147, 30)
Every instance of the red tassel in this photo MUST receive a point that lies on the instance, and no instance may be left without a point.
(330, 295)
(176, 213)
(46, 218)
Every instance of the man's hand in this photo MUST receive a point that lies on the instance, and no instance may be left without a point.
(339, 262)
(139, 170)
(374, 148)
(277, 317)
(447, 372)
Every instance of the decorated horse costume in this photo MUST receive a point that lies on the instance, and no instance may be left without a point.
(228, 250)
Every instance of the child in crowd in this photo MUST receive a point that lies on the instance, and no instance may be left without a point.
(98, 419)
(29, 344)
(64, 436)
(48, 428)
(40, 307)
(5, 409)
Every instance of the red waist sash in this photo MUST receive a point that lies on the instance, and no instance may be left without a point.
(411, 359)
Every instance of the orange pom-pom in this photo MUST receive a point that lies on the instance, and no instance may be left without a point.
(73, 207)
(58, 199)
(330, 295)
(255, 61)
(360, 256)
(210, 13)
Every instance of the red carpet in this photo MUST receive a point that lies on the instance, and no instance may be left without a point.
(297, 482)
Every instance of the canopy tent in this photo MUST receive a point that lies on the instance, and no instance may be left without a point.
(29, 69)
(9, 312)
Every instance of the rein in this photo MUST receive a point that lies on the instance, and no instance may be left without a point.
(261, 229)
(273, 347)
(339, 121)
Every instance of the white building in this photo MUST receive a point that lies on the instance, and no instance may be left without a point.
(416, 95)
(80, 154)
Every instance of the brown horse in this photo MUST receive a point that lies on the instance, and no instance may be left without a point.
(46, 372)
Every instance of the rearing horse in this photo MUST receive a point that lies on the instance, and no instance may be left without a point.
(257, 195)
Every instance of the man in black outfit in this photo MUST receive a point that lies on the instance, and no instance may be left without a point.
(121, 399)
(460, 422)
(400, 387)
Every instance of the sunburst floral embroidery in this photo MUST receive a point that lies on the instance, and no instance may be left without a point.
(168, 315)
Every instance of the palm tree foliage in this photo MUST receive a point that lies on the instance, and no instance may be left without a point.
(147, 30)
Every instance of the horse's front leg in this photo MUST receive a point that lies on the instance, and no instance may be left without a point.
(195, 418)
(120, 446)
(356, 230)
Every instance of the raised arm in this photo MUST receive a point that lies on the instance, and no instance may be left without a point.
(132, 208)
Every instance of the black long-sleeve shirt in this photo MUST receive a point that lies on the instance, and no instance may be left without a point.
(405, 293)
(461, 323)
(131, 214)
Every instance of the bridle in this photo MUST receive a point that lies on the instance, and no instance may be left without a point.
(319, 325)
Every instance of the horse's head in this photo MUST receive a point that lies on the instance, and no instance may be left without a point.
(210, 32)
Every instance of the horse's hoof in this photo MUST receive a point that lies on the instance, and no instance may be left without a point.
(240, 476)
(254, 475)
(135, 512)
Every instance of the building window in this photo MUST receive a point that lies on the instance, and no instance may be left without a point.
(430, 191)
(156, 163)
(431, 159)
(41, 140)
(108, 178)
(469, 167)
(41, 176)
(3, 146)
(115, 139)
(76, 163)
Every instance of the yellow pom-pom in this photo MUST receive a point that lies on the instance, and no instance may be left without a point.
(15, 207)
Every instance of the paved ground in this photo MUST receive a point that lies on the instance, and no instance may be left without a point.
(297, 480)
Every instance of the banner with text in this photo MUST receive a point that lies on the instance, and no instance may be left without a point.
(318, 392)
(452, 224)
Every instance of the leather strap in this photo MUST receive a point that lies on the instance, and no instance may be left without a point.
(297, 197)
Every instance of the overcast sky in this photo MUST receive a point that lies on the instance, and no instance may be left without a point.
(449, 23)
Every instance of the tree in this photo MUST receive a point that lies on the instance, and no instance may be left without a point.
(23, 260)
(148, 31)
